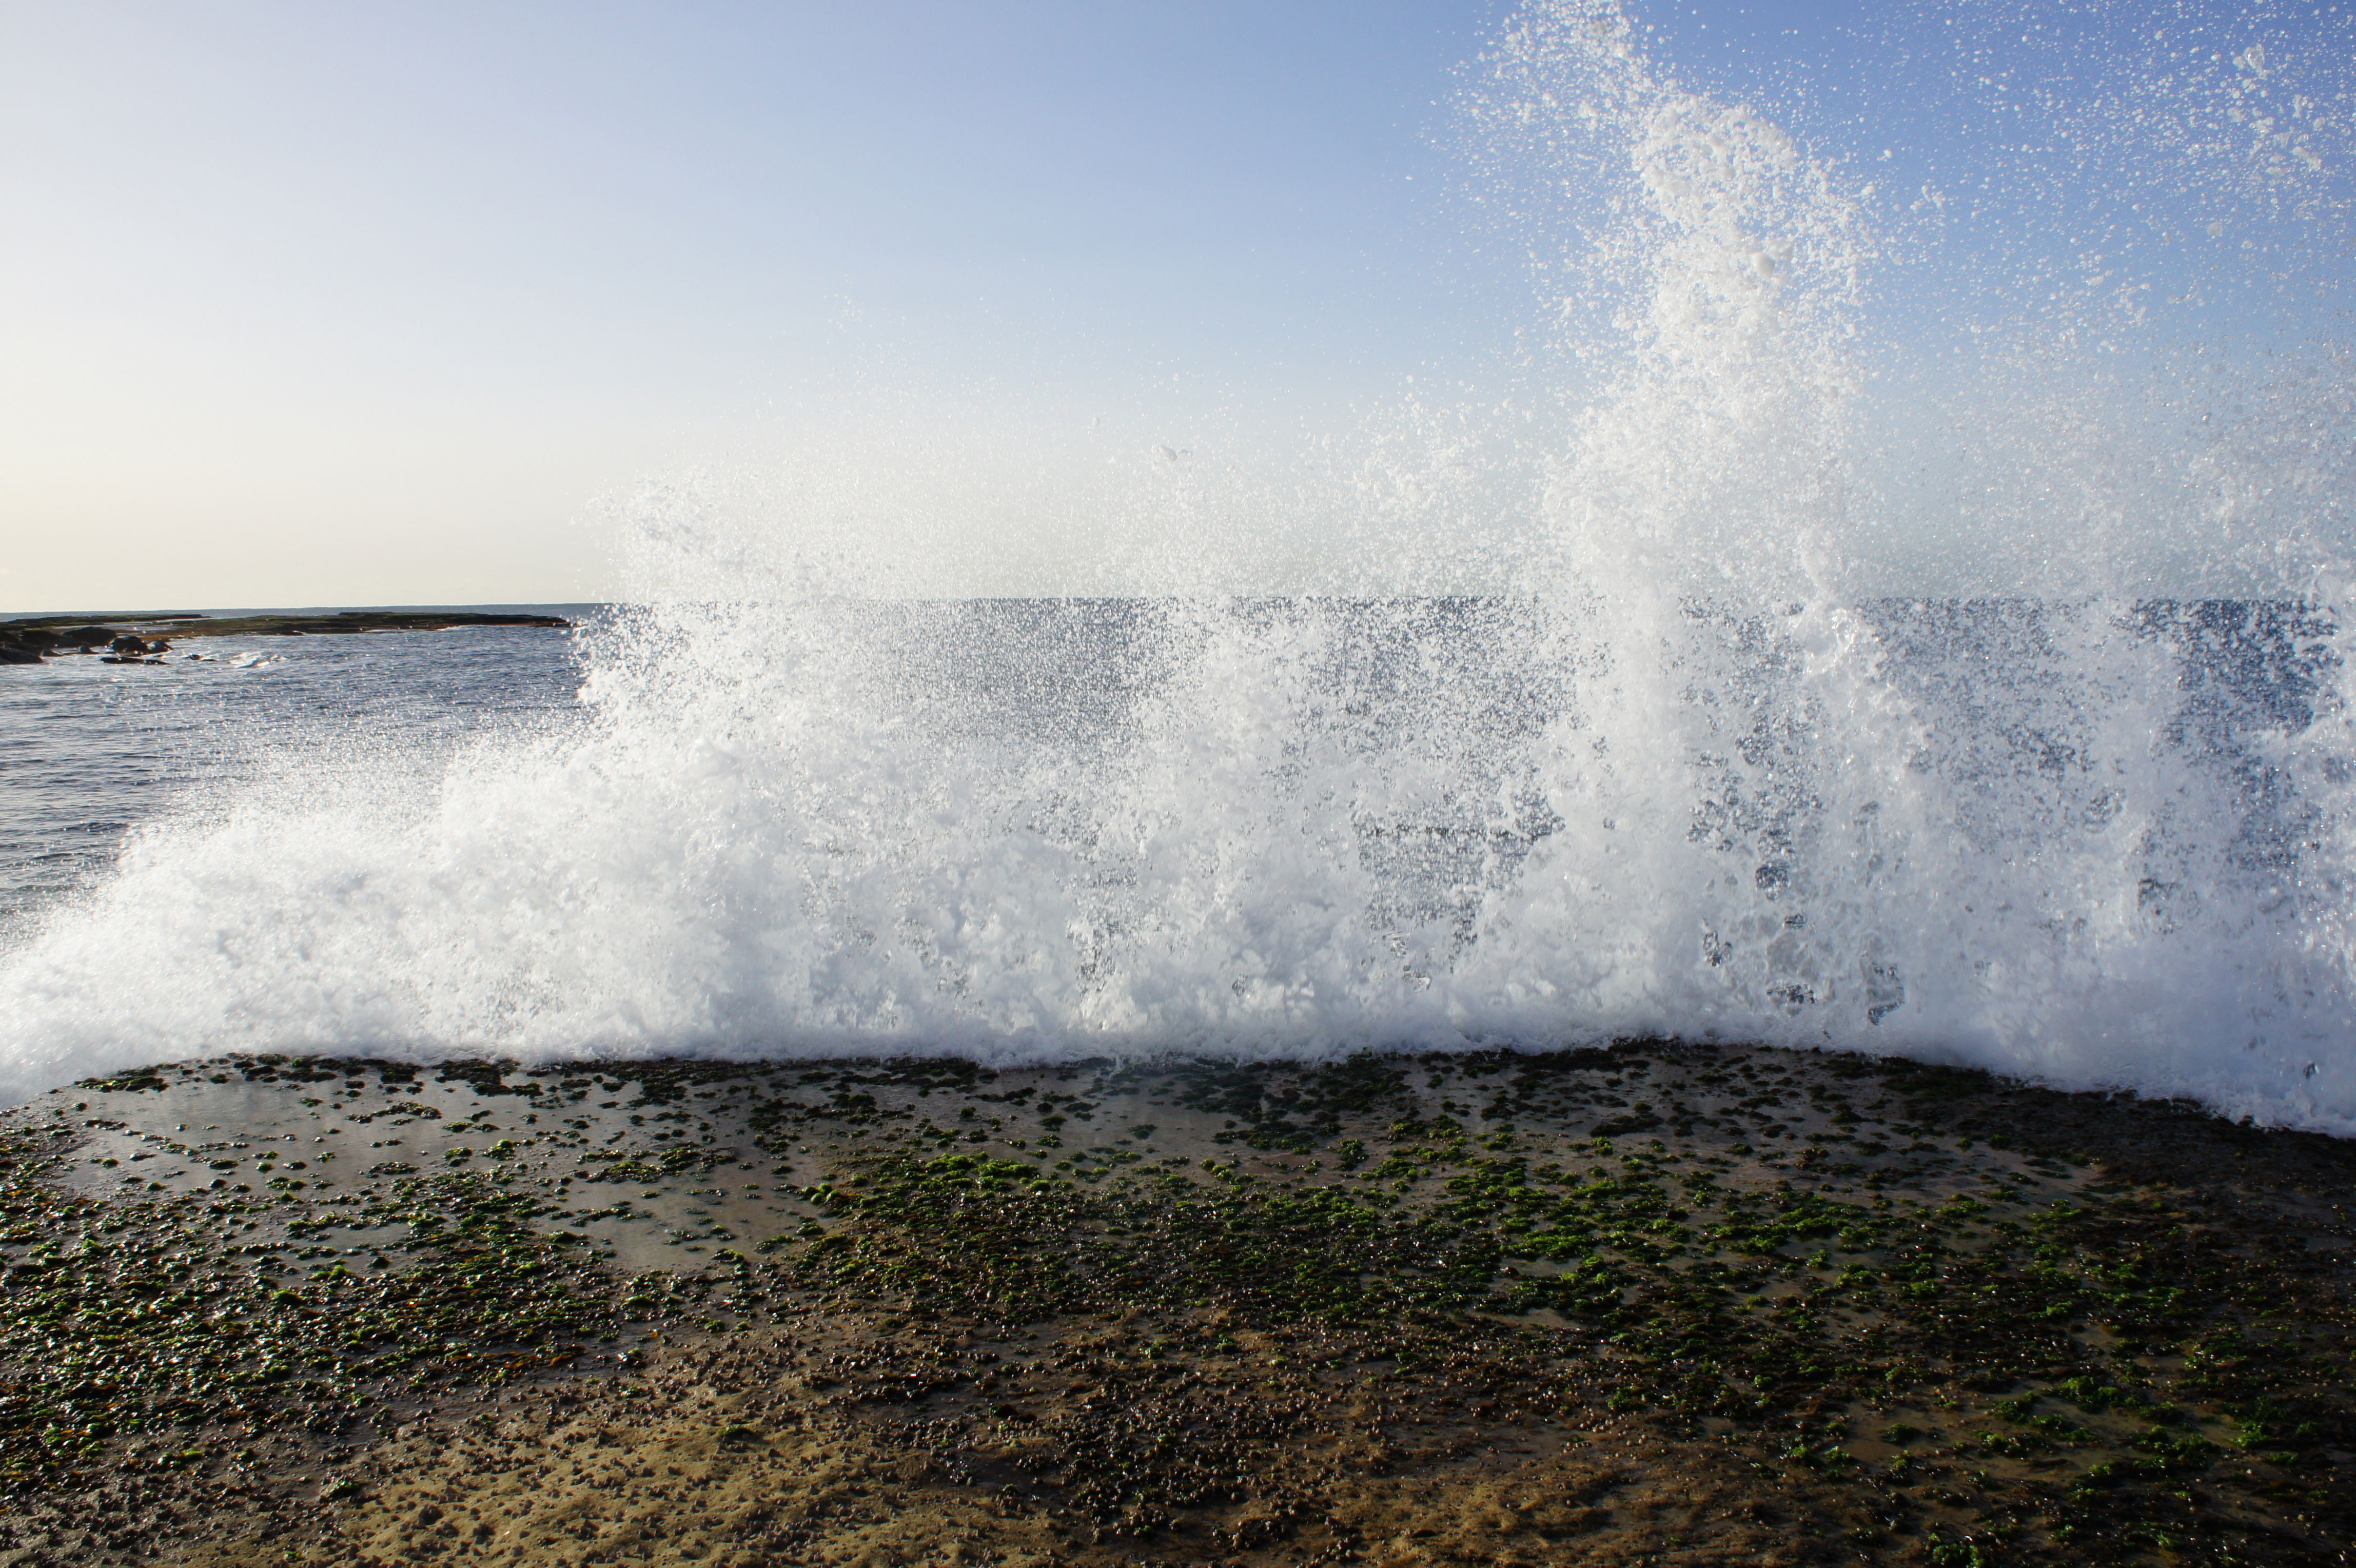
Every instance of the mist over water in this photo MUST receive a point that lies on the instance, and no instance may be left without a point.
(1898, 622)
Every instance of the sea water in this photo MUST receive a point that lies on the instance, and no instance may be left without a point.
(89, 750)
(1832, 650)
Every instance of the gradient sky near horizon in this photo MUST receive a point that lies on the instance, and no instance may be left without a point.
(369, 304)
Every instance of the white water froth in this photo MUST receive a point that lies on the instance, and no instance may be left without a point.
(1684, 769)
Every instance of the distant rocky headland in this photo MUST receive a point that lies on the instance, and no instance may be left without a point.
(142, 637)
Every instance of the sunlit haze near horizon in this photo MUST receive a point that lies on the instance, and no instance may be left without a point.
(373, 304)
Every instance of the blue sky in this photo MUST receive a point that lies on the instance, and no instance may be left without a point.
(367, 302)
(392, 291)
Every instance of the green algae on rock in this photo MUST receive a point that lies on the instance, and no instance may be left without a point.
(1199, 1312)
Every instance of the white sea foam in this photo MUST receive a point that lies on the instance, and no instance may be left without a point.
(1692, 765)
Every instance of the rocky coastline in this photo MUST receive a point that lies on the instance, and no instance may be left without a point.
(142, 637)
(1662, 1303)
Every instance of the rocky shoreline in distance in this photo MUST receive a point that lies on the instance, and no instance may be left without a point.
(140, 637)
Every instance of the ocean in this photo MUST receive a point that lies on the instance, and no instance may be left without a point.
(2089, 843)
(1849, 616)
(90, 750)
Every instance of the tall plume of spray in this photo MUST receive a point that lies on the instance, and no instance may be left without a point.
(1704, 272)
(1686, 766)
(2038, 835)
(2026, 833)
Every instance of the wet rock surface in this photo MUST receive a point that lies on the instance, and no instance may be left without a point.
(1675, 1304)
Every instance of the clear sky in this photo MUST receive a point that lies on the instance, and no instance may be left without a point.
(370, 302)
(355, 303)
